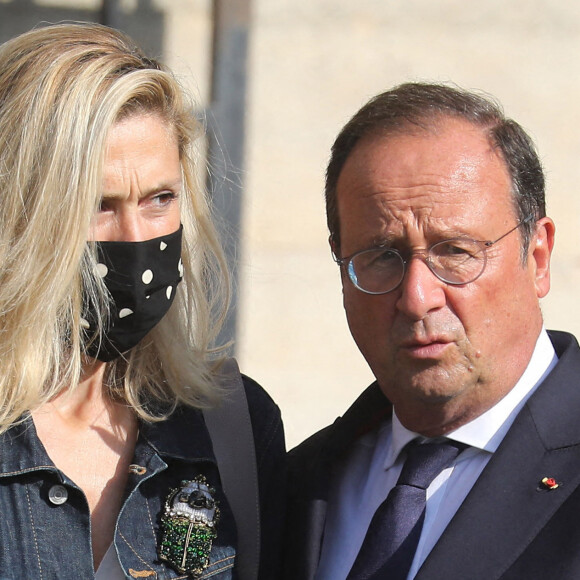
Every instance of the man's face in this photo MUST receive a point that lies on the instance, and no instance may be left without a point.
(442, 354)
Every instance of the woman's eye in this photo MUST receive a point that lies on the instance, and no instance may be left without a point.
(165, 198)
(104, 205)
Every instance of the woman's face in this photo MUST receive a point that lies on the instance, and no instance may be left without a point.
(141, 182)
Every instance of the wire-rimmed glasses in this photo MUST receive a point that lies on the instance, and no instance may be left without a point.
(456, 261)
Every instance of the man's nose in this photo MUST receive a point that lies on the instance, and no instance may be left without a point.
(420, 291)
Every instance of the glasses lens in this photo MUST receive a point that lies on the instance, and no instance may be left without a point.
(457, 261)
(376, 271)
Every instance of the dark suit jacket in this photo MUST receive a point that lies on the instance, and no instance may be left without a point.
(510, 526)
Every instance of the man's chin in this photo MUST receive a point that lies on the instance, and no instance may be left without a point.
(431, 385)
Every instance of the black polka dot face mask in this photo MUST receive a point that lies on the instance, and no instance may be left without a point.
(141, 278)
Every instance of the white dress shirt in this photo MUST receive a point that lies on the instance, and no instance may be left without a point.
(371, 470)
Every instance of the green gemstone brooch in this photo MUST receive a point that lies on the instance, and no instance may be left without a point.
(188, 526)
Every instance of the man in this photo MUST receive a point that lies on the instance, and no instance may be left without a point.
(437, 220)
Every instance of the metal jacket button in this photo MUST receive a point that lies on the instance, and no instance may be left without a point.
(57, 494)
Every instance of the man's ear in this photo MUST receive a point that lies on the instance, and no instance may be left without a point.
(540, 252)
(335, 255)
(333, 247)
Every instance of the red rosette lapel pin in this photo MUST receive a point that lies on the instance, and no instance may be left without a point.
(549, 483)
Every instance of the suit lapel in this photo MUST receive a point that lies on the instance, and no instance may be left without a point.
(508, 505)
(312, 466)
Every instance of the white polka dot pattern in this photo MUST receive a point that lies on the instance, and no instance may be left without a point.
(141, 278)
(147, 277)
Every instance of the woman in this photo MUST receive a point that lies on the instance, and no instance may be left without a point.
(110, 285)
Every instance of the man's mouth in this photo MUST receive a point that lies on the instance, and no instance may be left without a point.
(426, 348)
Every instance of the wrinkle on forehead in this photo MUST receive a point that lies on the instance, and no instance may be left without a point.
(417, 228)
(431, 182)
(420, 172)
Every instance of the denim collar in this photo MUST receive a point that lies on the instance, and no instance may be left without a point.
(22, 451)
(166, 437)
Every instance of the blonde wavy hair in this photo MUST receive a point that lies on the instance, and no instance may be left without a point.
(62, 88)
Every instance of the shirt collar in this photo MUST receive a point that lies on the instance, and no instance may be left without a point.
(487, 431)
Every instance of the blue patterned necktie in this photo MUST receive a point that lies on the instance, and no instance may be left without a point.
(391, 540)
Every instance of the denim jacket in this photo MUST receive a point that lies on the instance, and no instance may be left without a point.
(45, 528)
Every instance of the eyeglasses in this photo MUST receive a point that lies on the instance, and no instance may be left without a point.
(456, 261)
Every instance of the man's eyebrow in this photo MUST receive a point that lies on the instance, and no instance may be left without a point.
(431, 238)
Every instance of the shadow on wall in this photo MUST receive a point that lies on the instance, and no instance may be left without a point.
(145, 23)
